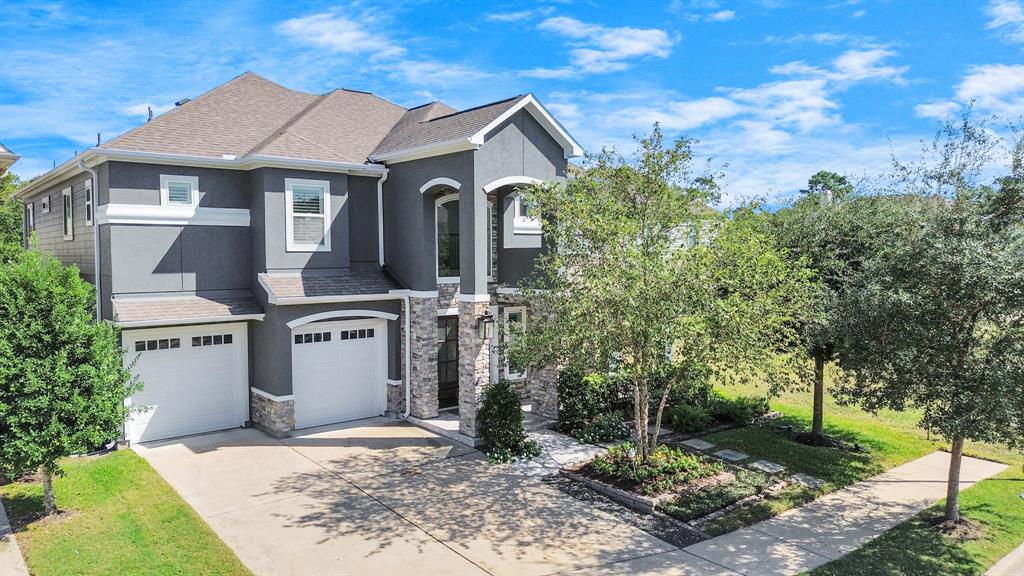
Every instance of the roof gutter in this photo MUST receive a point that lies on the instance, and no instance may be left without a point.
(94, 156)
(97, 281)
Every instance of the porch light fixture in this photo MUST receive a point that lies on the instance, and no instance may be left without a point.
(485, 326)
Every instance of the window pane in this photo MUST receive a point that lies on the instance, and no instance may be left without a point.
(179, 193)
(197, 341)
(227, 338)
(175, 343)
(140, 346)
(307, 200)
(308, 229)
(218, 339)
(448, 239)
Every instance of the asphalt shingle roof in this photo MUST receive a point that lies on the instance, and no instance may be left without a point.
(174, 308)
(419, 127)
(333, 284)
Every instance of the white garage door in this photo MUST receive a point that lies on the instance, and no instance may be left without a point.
(338, 371)
(195, 379)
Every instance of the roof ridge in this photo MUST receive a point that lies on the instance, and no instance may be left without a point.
(283, 129)
(502, 101)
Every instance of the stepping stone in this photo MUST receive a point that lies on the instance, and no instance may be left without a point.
(697, 444)
(731, 455)
(807, 480)
(767, 466)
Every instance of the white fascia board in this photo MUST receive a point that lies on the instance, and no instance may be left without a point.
(171, 215)
(425, 151)
(93, 156)
(188, 321)
(569, 144)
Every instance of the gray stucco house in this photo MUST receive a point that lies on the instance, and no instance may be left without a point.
(291, 260)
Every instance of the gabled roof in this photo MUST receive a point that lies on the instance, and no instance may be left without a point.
(7, 157)
(419, 129)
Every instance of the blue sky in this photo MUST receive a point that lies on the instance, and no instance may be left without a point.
(776, 89)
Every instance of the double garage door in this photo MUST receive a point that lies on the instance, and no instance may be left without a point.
(195, 379)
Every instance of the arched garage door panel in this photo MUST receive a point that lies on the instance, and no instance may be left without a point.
(338, 371)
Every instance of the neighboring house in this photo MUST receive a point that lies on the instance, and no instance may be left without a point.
(7, 158)
(292, 259)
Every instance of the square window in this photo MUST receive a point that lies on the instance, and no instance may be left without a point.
(164, 344)
(353, 334)
(207, 340)
(218, 339)
(327, 336)
(227, 338)
(175, 343)
(150, 344)
(140, 346)
(298, 338)
(362, 333)
(307, 338)
(344, 334)
(318, 337)
(197, 341)
(369, 332)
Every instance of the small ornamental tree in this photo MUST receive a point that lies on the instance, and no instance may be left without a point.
(645, 279)
(62, 380)
(936, 321)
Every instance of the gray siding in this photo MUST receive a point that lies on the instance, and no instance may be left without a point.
(50, 227)
(362, 219)
(131, 183)
(271, 348)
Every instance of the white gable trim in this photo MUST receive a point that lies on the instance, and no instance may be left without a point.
(341, 314)
(571, 147)
(510, 180)
(442, 181)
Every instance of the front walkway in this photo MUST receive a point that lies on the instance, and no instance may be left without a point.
(11, 561)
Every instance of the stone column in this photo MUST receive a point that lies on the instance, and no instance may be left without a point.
(544, 392)
(272, 414)
(474, 363)
(423, 356)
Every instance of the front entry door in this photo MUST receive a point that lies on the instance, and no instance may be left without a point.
(447, 361)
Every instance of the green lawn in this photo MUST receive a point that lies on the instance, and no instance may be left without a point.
(122, 519)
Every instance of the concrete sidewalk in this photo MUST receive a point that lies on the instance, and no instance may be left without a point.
(1011, 565)
(11, 562)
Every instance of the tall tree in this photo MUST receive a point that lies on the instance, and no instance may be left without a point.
(640, 264)
(62, 379)
(936, 321)
(11, 211)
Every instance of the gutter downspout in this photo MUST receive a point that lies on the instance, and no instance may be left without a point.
(380, 219)
(96, 237)
(408, 355)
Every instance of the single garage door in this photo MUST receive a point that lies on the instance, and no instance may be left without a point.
(338, 371)
(195, 379)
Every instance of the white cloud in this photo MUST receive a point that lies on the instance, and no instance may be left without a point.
(940, 110)
(801, 104)
(520, 15)
(816, 38)
(859, 13)
(142, 109)
(600, 49)
(849, 67)
(341, 34)
(721, 16)
(432, 73)
(1006, 16)
(682, 115)
(994, 88)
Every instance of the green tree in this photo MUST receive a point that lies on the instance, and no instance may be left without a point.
(11, 211)
(62, 380)
(936, 321)
(641, 264)
(828, 186)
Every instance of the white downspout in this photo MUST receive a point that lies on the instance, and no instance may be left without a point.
(408, 355)
(380, 218)
(95, 236)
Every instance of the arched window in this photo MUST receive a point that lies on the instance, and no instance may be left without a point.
(446, 223)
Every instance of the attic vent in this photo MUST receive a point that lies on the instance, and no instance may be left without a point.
(182, 101)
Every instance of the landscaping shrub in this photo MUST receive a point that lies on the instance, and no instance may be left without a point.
(501, 424)
(739, 410)
(686, 418)
(700, 503)
(604, 428)
(667, 468)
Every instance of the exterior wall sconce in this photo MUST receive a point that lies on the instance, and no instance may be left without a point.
(485, 326)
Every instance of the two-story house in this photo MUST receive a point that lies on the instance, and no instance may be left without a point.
(293, 260)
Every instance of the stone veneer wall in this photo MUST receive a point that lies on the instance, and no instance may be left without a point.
(396, 398)
(423, 357)
(474, 365)
(276, 418)
(447, 296)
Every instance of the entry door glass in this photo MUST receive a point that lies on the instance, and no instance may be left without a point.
(447, 361)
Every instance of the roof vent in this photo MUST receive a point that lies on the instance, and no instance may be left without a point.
(182, 101)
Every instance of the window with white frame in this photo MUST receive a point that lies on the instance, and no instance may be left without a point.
(446, 228)
(88, 203)
(69, 221)
(30, 216)
(46, 204)
(179, 190)
(490, 241)
(526, 219)
(515, 324)
(308, 208)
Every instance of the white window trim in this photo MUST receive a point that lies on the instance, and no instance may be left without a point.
(67, 213)
(290, 244)
(31, 216)
(512, 310)
(521, 223)
(167, 179)
(46, 204)
(490, 241)
(437, 253)
(90, 210)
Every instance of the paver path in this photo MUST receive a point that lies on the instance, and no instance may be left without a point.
(11, 562)
(831, 526)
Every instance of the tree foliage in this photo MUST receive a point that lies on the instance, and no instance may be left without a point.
(11, 211)
(640, 263)
(936, 321)
(62, 379)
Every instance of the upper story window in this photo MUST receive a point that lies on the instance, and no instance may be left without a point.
(69, 219)
(88, 203)
(527, 219)
(308, 208)
(446, 222)
(46, 204)
(179, 190)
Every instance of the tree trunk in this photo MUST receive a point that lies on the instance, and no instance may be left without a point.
(49, 502)
(818, 424)
(659, 413)
(642, 411)
(953, 485)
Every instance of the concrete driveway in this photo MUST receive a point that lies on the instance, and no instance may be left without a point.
(385, 497)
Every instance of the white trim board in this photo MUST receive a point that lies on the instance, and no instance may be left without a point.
(442, 181)
(188, 321)
(341, 314)
(510, 180)
(171, 215)
(270, 396)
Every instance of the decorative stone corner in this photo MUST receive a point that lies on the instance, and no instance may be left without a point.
(396, 396)
(474, 365)
(544, 392)
(272, 414)
(423, 357)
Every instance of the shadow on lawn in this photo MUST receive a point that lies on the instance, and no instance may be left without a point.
(23, 504)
